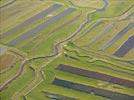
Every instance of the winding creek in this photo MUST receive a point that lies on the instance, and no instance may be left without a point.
(57, 48)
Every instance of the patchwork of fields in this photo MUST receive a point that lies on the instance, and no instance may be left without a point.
(66, 49)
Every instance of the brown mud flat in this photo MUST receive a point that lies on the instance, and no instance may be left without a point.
(6, 61)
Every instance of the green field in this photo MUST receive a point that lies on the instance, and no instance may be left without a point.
(84, 34)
